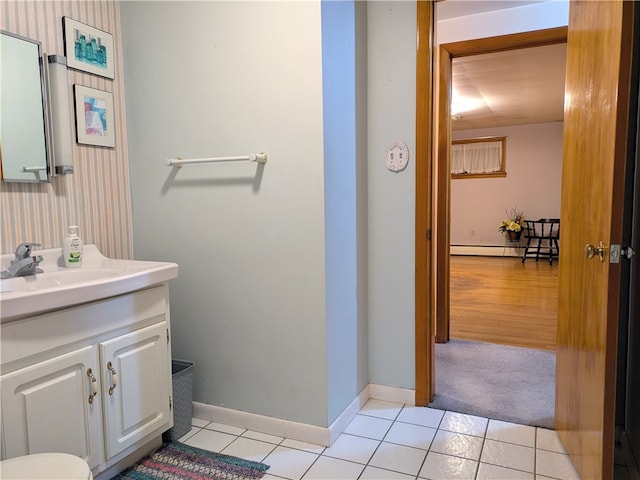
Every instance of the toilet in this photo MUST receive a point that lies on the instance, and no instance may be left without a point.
(45, 466)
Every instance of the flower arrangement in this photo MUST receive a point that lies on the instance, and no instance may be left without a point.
(514, 221)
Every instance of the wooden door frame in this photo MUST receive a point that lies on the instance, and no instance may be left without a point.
(432, 262)
(424, 345)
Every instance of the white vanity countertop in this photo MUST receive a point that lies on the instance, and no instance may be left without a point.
(57, 287)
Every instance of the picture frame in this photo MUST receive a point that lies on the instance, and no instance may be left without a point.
(94, 116)
(88, 49)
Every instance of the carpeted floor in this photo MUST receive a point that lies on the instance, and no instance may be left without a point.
(177, 461)
(501, 382)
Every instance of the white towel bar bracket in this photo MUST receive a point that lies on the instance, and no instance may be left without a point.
(252, 157)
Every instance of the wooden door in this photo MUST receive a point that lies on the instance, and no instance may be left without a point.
(595, 139)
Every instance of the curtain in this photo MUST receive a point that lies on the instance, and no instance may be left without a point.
(473, 158)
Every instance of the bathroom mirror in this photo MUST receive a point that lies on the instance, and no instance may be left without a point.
(23, 122)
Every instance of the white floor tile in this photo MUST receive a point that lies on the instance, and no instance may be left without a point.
(198, 422)
(494, 472)
(333, 468)
(289, 463)
(463, 423)
(400, 442)
(263, 437)
(352, 448)
(457, 444)
(548, 440)
(249, 449)
(189, 434)
(381, 409)
(210, 440)
(508, 455)
(375, 473)
(446, 467)
(398, 458)
(411, 435)
(425, 416)
(308, 447)
(555, 465)
(221, 427)
(370, 427)
(512, 433)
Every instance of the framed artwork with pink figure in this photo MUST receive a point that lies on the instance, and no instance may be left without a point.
(94, 116)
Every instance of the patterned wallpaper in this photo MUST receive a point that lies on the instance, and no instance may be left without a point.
(97, 196)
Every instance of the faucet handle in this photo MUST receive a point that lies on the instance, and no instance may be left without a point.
(24, 249)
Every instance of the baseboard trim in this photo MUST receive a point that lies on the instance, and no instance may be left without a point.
(487, 250)
(392, 394)
(303, 432)
(348, 414)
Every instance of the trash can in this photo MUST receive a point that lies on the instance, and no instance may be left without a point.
(182, 379)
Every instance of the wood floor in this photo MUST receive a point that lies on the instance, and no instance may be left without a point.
(501, 300)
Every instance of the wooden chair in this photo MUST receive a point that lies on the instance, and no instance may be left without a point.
(542, 239)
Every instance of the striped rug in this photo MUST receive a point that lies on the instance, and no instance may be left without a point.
(177, 461)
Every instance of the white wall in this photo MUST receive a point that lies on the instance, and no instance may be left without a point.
(225, 78)
(533, 181)
(391, 104)
(344, 155)
(229, 78)
(531, 17)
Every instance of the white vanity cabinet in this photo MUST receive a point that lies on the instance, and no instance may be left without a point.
(45, 408)
(136, 376)
(92, 380)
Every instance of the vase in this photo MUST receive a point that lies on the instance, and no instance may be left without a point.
(513, 236)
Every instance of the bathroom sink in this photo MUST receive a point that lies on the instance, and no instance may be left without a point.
(42, 281)
(59, 287)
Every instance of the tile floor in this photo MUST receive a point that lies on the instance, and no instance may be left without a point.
(393, 441)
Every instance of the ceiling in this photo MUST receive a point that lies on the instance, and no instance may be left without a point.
(514, 87)
(461, 8)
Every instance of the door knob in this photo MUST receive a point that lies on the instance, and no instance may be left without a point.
(590, 251)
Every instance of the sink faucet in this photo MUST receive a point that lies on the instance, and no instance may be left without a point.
(24, 263)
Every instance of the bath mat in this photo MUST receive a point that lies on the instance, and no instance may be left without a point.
(177, 461)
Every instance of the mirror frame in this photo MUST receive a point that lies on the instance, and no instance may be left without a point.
(42, 174)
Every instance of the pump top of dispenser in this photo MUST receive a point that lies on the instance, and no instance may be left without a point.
(72, 230)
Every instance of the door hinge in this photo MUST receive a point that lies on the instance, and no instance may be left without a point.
(167, 336)
(170, 404)
(428, 234)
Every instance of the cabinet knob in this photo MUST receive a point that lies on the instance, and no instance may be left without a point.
(114, 378)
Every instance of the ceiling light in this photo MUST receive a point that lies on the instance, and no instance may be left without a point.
(461, 104)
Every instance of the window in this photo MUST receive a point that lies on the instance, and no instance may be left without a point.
(478, 157)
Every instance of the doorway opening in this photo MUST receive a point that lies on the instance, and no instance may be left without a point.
(442, 185)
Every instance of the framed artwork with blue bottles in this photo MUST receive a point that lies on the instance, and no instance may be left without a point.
(87, 48)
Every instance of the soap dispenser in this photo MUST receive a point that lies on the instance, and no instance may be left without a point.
(72, 248)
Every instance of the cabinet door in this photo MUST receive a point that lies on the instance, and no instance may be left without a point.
(136, 386)
(49, 407)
